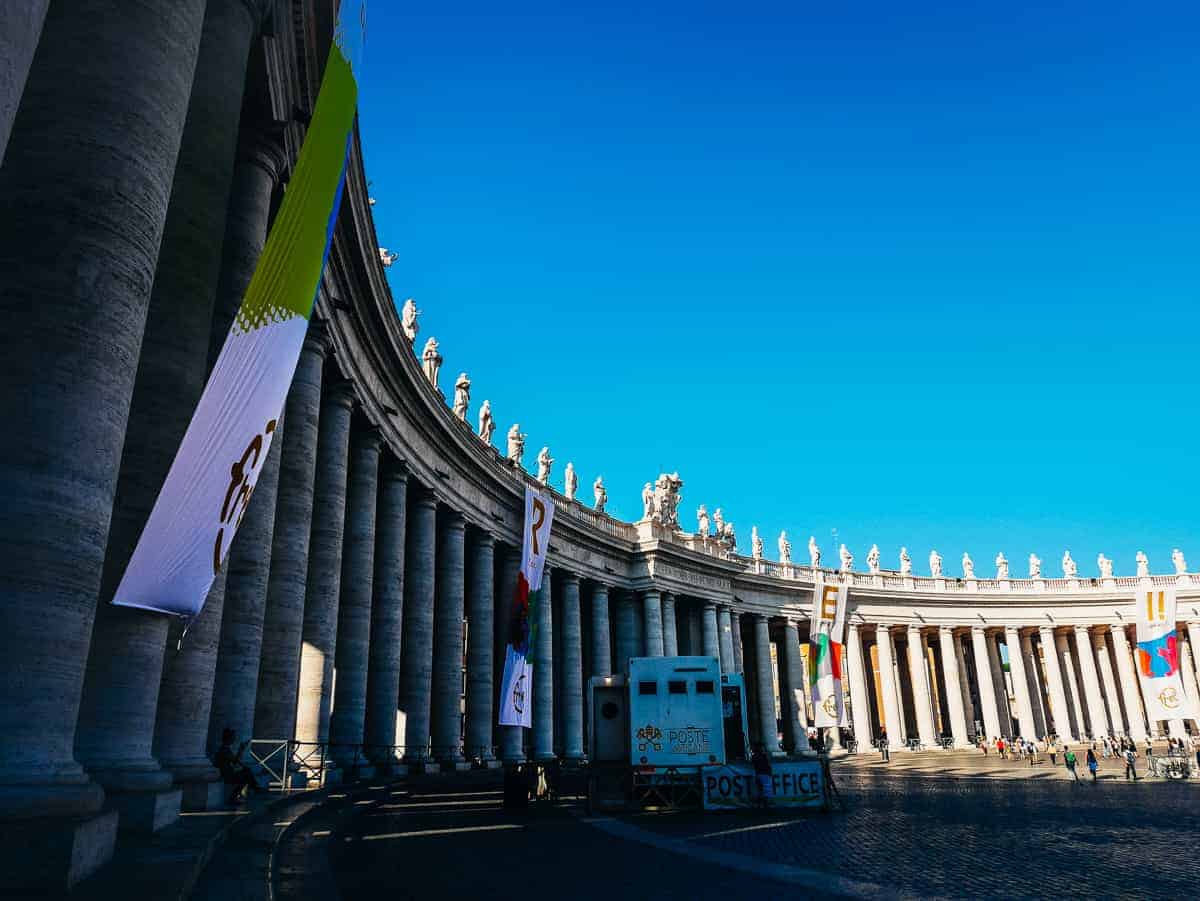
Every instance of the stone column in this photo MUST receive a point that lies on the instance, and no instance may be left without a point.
(323, 585)
(953, 681)
(20, 28)
(1059, 712)
(1091, 683)
(416, 660)
(711, 639)
(887, 681)
(725, 638)
(624, 632)
(480, 600)
(791, 671)
(572, 672)
(735, 634)
(283, 620)
(652, 620)
(1193, 630)
(543, 673)
(1129, 684)
(511, 739)
(1109, 683)
(670, 632)
(764, 678)
(1002, 708)
(860, 698)
(918, 672)
(987, 686)
(1016, 667)
(1187, 670)
(387, 615)
(964, 676)
(348, 719)
(601, 644)
(449, 601)
(1033, 684)
(1067, 666)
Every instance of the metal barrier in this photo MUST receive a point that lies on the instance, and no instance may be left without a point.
(292, 765)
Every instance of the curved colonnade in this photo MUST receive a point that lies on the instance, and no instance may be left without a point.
(363, 605)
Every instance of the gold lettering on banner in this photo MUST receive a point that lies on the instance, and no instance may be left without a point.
(1162, 606)
(539, 519)
(829, 595)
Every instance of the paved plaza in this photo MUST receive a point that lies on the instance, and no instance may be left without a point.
(1000, 830)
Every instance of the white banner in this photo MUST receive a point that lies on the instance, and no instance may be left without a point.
(1157, 655)
(827, 655)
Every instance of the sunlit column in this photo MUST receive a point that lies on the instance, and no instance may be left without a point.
(1059, 712)
(953, 683)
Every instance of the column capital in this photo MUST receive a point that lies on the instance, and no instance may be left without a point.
(978, 630)
(454, 520)
(316, 339)
(646, 592)
(1082, 629)
(368, 435)
(943, 630)
(913, 627)
(569, 576)
(392, 468)
(1045, 630)
(423, 496)
(760, 617)
(710, 605)
(484, 538)
(339, 392)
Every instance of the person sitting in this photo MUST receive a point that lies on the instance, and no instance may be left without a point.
(235, 774)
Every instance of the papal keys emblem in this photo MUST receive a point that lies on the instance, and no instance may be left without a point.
(518, 694)
(1169, 698)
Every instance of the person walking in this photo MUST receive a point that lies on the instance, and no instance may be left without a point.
(1092, 763)
(1149, 748)
(762, 772)
(885, 750)
(1130, 761)
(1001, 748)
(1070, 760)
(1052, 750)
(983, 745)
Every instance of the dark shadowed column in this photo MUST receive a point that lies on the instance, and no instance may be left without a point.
(725, 637)
(652, 622)
(387, 614)
(711, 637)
(601, 643)
(481, 592)
(511, 738)
(20, 28)
(354, 610)
(670, 633)
(279, 667)
(448, 641)
(765, 682)
(572, 668)
(416, 662)
(543, 672)
(623, 631)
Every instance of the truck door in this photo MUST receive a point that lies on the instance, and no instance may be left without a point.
(731, 716)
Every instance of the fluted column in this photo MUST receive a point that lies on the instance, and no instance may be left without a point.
(792, 694)
(652, 622)
(1059, 712)
(1109, 683)
(670, 633)
(953, 682)
(1130, 690)
(20, 28)
(601, 643)
(387, 614)
(765, 681)
(710, 636)
(1033, 683)
(449, 603)
(348, 720)
(987, 686)
(416, 661)
(1062, 647)
(725, 638)
(511, 739)
(323, 587)
(572, 668)
(543, 673)
(1091, 683)
(480, 602)
(887, 682)
(918, 672)
(860, 697)
(283, 620)
(1016, 667)
(624, 632)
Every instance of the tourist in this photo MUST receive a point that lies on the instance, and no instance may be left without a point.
(1149, 748)
(1092, 763)
(1052, 750)
(885, 751)
(762, 772)
(1033, 753)
(1130, 760)
(1070, 760)
(1000, 748)
(234, 773)
(983, 744)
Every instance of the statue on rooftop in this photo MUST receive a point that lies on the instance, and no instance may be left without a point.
(785, 549)
(905, 562)
(756, 543)
(1070, 570)
(408, 320)
(462, 396)
(847, 559)
(516, 444)
(1105, 566)
(1035, 566)
(1001, 566)
(544, 461)
(814, 552)
(600, 494)
(873, 560)
(1143, 564)
(570, 482)
(1179, 561)
(935, 564)
(432, 361)
(487, 425)
(702, 523)
(968, 566)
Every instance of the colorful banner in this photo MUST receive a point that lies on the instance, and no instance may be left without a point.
(516, 686)
(735, 786)
(827, 655)
(1157, 656)
(206, 491)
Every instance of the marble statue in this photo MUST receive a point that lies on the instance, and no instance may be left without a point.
(1105, 567)
(648, 501)
(665, 499)
(935, 564)
(718, 524)
(1179, 561)
(570, 482)
(516, 444)
(432, 361)
(1143, 564)
(408, 320)
(847, 559)
(814, 552)
(1035, 566)
(487, 425)
(387, 257)
(544, 462)
(1001, 566)
(730, 537)
(675, 484)
(756, 543)
(968, 566)
(1070, 570)
(702, 524)
(873, 560)
(785, 549)
(905, 562)
(600, 494)
(462, 396)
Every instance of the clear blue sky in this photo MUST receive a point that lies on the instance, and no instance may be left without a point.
(926, 274)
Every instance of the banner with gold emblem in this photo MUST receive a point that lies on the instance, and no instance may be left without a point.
(1157, 656)
(826, 655)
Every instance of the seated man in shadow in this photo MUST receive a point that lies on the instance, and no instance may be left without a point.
(235, 774)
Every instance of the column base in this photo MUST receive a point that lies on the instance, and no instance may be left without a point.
(147, 811)
(491, 764)
(53, 855)
(201, 796)
(454, 766)
(423, 766)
